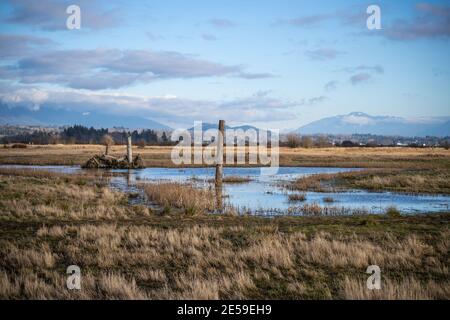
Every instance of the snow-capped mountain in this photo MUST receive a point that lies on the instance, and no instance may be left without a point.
(362, 123)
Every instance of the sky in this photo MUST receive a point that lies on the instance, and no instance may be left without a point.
(273, 64)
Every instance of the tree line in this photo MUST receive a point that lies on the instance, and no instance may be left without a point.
(322, 141)
(78, 134)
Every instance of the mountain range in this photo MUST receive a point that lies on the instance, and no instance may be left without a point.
(362, 123)
(206, 126)
(45, 116)
(352, 123)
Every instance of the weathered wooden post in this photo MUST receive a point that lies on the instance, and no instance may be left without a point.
(219, 155)
(219, 163)
(129, 150)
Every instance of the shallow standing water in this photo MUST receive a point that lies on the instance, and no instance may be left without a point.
(264, 195)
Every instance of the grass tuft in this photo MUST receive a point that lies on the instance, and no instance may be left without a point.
(190, 199)
(392, 212)
(300, 197)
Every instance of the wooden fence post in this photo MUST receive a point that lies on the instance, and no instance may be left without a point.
(219, 154)
(219, 163)
(129, 150)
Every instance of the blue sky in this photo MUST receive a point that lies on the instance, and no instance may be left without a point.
(276, 64)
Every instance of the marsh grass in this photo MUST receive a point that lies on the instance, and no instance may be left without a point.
(124, 254)
(315, 209)
(404, 181)
(407, 289)
(212, 263)
(32, 194)
(235, 179)
(297, 197)
(392, 212)
(190, 199)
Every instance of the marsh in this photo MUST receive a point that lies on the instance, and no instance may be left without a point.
(267, 195)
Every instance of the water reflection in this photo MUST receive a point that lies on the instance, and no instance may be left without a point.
(219, 204)
(263, 194)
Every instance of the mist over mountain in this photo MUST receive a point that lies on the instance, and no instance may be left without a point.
(206, 126)
(362, 123)
(45, 116)
(352, 123)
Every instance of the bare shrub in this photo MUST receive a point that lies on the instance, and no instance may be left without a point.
(107, 141)
(293, 140)
(19, 146)
(307, 142)
(141, 143)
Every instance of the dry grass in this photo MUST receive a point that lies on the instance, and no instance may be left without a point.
(392, 212)
(182, 196)
(234, 179)
(28, 258)
(155, 156)
(124, 254)
(407, 181)
(412, 182)
(407, 289)
(315, 209)
(205, 263)
(300, 197)
(313, 182)
(31, 194)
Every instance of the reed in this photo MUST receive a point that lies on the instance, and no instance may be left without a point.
(190, 199)
(405, 181)
(297, 197)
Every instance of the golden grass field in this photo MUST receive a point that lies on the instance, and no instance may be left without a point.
(156, 156)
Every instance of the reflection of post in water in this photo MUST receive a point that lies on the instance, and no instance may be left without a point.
(219, 164)
(128, 177)
(219, 205)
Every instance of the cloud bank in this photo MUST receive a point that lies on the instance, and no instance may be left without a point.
(113, 68)
(50, 15)
(257, 107)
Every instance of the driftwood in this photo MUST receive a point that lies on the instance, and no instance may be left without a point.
(109, 162)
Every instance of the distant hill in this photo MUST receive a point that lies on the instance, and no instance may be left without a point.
(214, 126)
(207, 126)
(362, 123)
(60, 117)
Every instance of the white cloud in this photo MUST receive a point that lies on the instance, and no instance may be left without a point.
(323, 54)
(50, 15)
(360, 78)
(331, 85)
(358, 120)
(113, 68)
(31, 98)
(167, 108)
